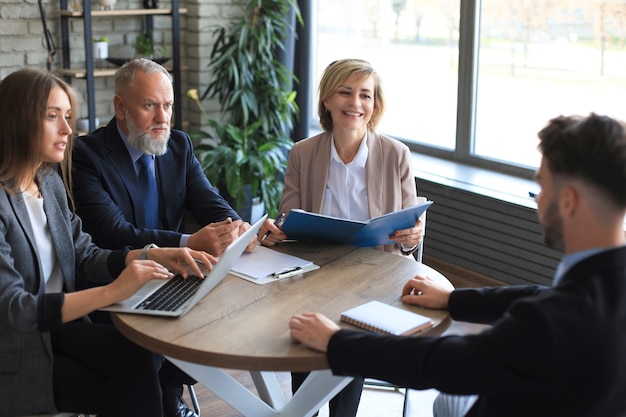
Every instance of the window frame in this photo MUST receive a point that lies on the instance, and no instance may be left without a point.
(469, 41)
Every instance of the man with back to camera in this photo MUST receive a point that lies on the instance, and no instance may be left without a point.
(552, 351)
(109, 191)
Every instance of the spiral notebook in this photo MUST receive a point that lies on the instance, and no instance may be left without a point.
(386, 319)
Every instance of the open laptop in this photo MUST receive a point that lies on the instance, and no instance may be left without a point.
(176, 296)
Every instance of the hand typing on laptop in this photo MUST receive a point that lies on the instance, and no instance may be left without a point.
(174, 296)
(181, 261)
(162, 264)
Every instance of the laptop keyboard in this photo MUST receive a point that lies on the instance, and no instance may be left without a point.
(173, 294)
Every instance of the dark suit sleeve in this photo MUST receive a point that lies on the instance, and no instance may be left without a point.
(517, 355)
(202, 199)
(486, 305)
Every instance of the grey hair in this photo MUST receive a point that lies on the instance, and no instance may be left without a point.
(126, 74)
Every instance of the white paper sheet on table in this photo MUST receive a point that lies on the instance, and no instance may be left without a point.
(259, 265)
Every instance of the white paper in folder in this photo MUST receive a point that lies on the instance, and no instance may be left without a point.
(265, 265)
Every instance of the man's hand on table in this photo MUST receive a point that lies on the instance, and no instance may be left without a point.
(427, 292)
(313, 330)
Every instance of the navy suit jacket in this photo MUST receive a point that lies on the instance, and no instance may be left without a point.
(550, 352)
(108, 198)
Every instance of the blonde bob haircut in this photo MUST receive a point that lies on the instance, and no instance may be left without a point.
(335, 75)
(23, 110)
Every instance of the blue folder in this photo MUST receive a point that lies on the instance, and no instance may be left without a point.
(304, 225)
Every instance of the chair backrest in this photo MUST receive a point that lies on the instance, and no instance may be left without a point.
(420, 251)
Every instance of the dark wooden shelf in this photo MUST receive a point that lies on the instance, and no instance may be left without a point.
(103, 72)
(92, 70)
(121, 12)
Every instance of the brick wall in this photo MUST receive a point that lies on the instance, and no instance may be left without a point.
(22, 43)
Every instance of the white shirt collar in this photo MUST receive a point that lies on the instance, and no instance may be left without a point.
(361, 156)
(346, 186)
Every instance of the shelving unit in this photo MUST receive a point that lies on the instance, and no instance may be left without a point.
(89, 72)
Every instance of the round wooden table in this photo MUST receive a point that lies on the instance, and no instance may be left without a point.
(243, 325)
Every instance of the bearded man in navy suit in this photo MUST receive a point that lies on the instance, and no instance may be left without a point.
(109, 195)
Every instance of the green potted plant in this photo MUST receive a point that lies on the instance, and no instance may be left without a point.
(145, 46)
(245, 154)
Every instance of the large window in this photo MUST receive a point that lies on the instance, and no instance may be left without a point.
(476, 80)
(413, 44)
(539, 59)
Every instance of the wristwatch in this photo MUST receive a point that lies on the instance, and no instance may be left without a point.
(144, 251)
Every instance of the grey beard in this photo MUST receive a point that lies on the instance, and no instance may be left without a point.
(145, 143)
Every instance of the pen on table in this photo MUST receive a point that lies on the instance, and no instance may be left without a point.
(287, 272)
(277, 223)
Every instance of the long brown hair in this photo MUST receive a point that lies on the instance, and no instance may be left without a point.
(24, 98)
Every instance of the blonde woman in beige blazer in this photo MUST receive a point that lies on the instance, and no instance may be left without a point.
(390, 180)
(350, 106)
(349, 171)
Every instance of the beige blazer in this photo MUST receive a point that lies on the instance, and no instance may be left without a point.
(390, 179)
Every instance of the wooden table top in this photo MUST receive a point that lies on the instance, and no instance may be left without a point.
(243, 325)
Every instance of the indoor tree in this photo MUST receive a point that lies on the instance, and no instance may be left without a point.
(246, 151)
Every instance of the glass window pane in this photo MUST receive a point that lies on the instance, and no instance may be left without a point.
(541, 59)
(413, 44)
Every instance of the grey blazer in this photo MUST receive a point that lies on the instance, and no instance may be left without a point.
(390, 178)
(27, 313)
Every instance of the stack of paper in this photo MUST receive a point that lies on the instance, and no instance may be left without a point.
(265, 265)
